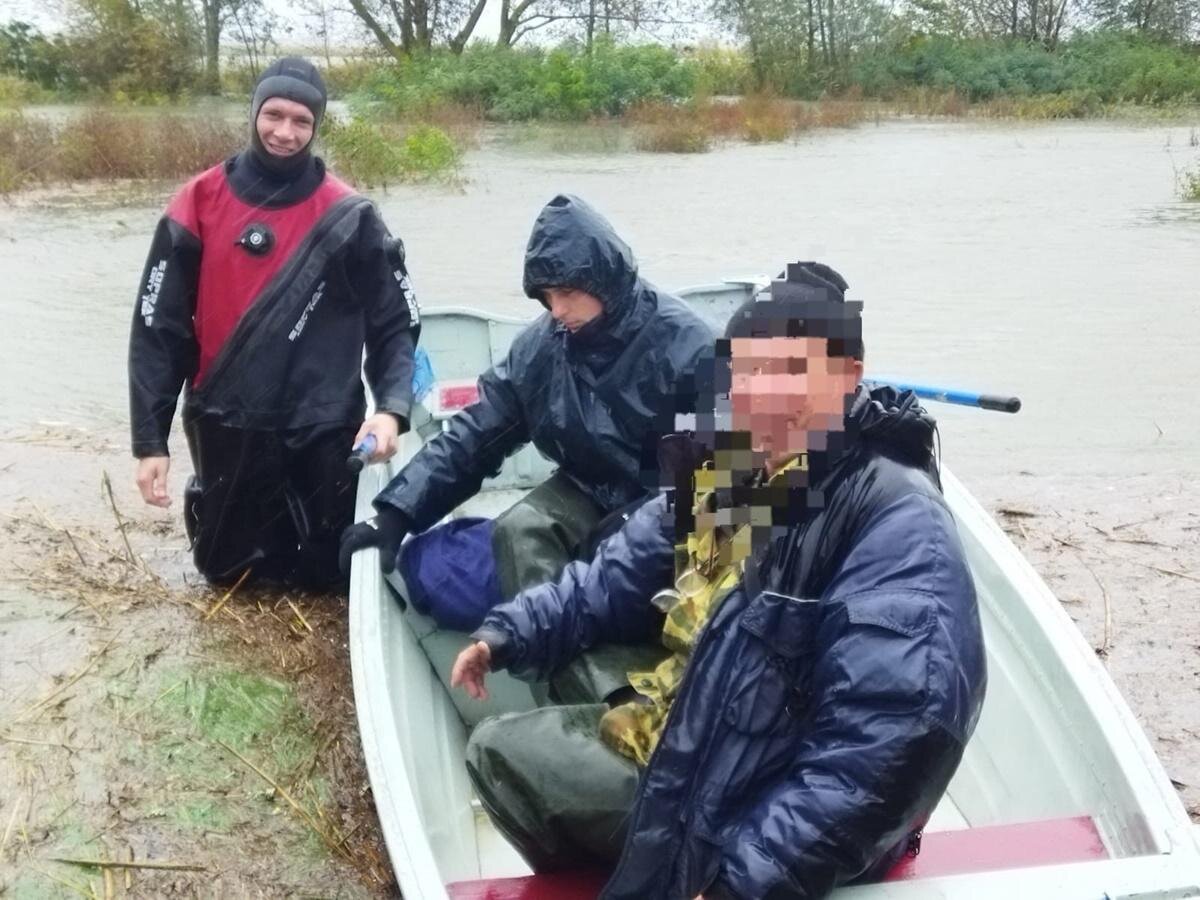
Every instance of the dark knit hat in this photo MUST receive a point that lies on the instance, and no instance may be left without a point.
(808, 300)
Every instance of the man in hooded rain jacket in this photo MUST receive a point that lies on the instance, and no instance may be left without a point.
(587, 383)
(826, 667)
(266, 277)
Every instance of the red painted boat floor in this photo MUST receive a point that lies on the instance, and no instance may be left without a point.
(1015, 846)
(1044, 843)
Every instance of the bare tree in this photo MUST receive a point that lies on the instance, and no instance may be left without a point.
(519, 17)
(404, 27)
(657, 20)
(255, 25)
(1175, 20)
(1035, 21)
(213, 13)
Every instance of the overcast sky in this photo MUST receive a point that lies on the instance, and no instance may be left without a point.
(50, 15)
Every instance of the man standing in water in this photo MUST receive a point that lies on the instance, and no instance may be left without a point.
(266, 278)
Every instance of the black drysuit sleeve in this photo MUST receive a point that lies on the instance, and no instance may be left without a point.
(163, 351)
(379, 278)
(452, 466)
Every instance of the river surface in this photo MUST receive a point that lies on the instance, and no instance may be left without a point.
(1050, 261)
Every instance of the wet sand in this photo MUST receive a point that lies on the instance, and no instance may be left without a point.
(1123, 557)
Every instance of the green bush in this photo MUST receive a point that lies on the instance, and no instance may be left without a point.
(517, 85)
(1189, 184)
(720, 71)
(30, 56)
(361, 152)
(17, 91)
(371, 155)
(429, 153)
(1090, 69)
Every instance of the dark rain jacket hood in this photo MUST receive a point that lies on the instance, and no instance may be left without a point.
(894, 422)
(573, 246)
(828, 699)
(589, 401)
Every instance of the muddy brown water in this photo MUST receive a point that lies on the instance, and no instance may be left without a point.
(1052, 261)
(1049, 261)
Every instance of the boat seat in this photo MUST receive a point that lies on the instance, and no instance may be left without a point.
(1016, 846)
(441, 648)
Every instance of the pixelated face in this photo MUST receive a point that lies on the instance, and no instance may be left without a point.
(787, 393)
(285, 127)
(572, 307)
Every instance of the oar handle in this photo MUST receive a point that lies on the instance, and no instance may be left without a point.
(999, 403)
(996, 402)
(361, 455)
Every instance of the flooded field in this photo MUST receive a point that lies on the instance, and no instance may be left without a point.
(1048, 261)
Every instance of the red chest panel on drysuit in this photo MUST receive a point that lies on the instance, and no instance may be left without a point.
(230, 276)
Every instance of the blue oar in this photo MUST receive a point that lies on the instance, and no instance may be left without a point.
(952, 395)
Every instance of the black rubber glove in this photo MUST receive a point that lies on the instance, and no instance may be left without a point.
(385, 531)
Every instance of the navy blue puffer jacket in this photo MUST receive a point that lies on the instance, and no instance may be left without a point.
(588, 400)
(826, 703)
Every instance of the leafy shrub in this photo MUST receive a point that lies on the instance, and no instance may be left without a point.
(429, 153)
(516, 85)
(1189, 184)
(374, 155)
(1092, 69)
(17, 91)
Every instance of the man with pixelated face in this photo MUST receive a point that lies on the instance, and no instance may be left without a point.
(826, 663)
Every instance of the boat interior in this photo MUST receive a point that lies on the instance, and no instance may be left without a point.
(1057, 773)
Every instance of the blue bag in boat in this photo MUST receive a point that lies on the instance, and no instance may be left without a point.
(451, 573)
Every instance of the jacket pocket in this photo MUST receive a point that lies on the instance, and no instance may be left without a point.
(884, 656)
(771, 682)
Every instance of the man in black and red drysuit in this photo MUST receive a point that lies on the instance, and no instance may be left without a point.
(266, 279)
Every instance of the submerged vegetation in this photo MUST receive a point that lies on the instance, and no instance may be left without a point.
(102, 144)
(1189, 183)
(374, 155)
(107, 145)
(696, 126)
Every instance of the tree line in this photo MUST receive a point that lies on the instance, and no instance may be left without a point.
(171, 47)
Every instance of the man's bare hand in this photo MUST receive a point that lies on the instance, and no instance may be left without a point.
(386, 429)
(151, 479)
(471, 668)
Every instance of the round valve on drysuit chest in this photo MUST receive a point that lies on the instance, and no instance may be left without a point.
(256, 239)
